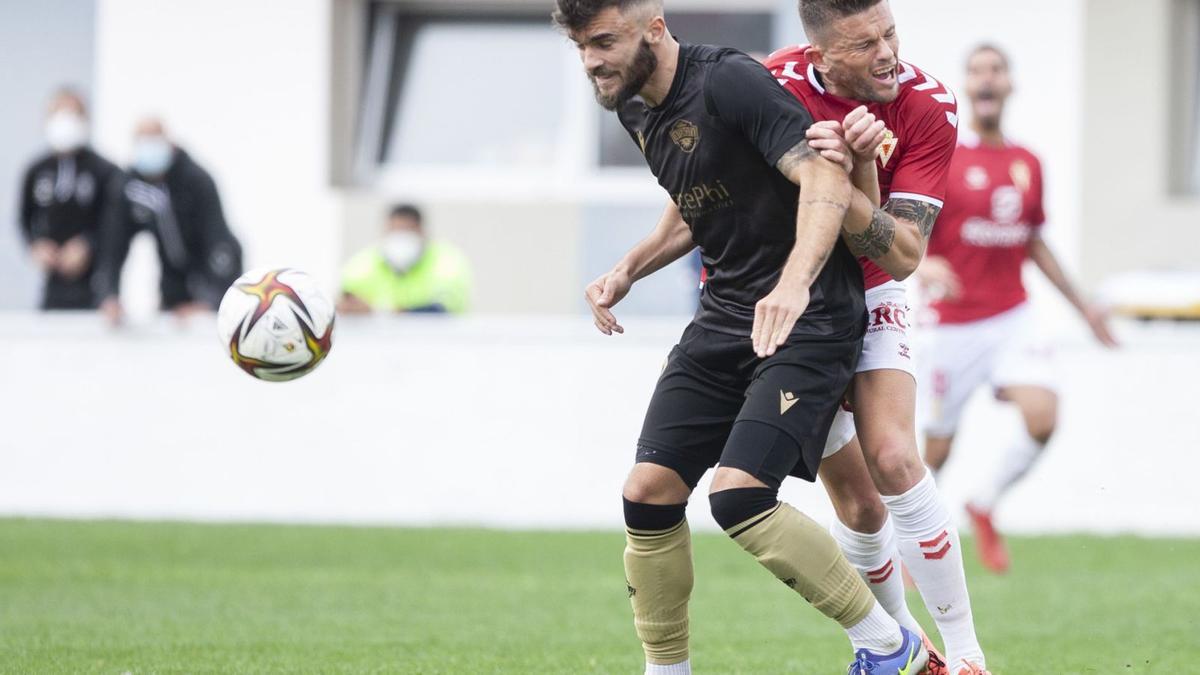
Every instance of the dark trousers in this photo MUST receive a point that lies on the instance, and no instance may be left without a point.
(59, 293)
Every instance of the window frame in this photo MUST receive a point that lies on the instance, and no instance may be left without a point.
(575, 174)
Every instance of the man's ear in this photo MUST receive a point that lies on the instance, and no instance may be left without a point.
(817, 58)
(656, 31)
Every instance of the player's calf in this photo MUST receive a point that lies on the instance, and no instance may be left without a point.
(929, 545)
(863, 531)
(802, 555)
(659, 578)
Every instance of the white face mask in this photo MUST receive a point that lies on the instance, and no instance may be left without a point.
(402, 249)
(66, 131)
(152, 155)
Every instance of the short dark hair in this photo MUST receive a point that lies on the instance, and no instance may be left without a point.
(988, 47)
(406, 211)
(816, 15)
(69, 92)
(573, 15)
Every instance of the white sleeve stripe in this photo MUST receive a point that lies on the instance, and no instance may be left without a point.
(914, 196)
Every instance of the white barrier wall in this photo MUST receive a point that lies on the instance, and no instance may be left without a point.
(507, 423)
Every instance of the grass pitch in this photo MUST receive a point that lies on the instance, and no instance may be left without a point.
(107, 597)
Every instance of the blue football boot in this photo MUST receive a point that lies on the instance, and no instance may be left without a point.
(910, 659)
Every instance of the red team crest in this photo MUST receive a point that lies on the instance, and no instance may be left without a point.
(888, 147)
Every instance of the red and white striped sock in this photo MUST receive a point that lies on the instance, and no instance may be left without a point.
(929, 546)
(878, 563)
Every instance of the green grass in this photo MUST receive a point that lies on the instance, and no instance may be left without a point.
(108, 597)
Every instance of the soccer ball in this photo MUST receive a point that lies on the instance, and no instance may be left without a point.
(276, 324)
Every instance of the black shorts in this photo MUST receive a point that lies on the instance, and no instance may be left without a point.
(713, 383)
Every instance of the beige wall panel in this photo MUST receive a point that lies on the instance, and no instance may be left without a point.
(1130, 219)
(524, 256)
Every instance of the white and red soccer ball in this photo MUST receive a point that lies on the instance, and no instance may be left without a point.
(276, 324)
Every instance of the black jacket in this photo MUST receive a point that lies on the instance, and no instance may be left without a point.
(200, 257)
(63, 196)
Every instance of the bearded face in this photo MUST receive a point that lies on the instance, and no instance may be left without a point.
(614, 85)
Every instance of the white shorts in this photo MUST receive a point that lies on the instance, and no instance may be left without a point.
(885, 346)
(1001, 350)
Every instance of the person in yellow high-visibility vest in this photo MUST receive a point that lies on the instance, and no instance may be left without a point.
(406, 272)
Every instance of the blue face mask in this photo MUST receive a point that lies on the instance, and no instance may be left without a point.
(152, 155)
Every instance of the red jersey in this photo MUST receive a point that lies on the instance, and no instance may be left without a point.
(922, 128)
(993, 208)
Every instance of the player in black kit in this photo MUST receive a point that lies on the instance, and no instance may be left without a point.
(756, 378)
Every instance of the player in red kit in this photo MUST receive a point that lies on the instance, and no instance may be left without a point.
(889, 510)
(991, 224)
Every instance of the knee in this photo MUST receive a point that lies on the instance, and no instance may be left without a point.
(862, 512)
(654, 484)
(738, 505)
(896, 465)
(643, 492)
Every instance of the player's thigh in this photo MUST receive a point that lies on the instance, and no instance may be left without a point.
(884, 403)
(1038, 406)
(789, 408)
(884, 413)
(687, 422)
(959, 358)
(851, 489)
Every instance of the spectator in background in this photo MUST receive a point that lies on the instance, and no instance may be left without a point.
(406, 272)
(62, 197)
(169, 195)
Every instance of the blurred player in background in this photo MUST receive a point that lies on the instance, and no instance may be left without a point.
(759, 373)
(62, 197)
(853, 61)
(983, 334)
(406, 272)
(171, 196)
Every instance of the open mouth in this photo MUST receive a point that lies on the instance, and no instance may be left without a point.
(885, 75)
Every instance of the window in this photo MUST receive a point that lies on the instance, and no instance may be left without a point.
(439, 90)
(1185, 105)
(500, 93)
(750, 33)
(461, 82)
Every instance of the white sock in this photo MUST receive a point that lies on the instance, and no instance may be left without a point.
(1018, 458)
(682, 668)
(878, 633)
(878, 562)
(930, 549)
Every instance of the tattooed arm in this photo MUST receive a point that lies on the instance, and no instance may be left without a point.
(894, 236)
(824, 199)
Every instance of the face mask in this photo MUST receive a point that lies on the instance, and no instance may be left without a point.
(66, 131)
(402, 249)
(152, 155)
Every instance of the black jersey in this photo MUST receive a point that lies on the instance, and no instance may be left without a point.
(713, 144)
